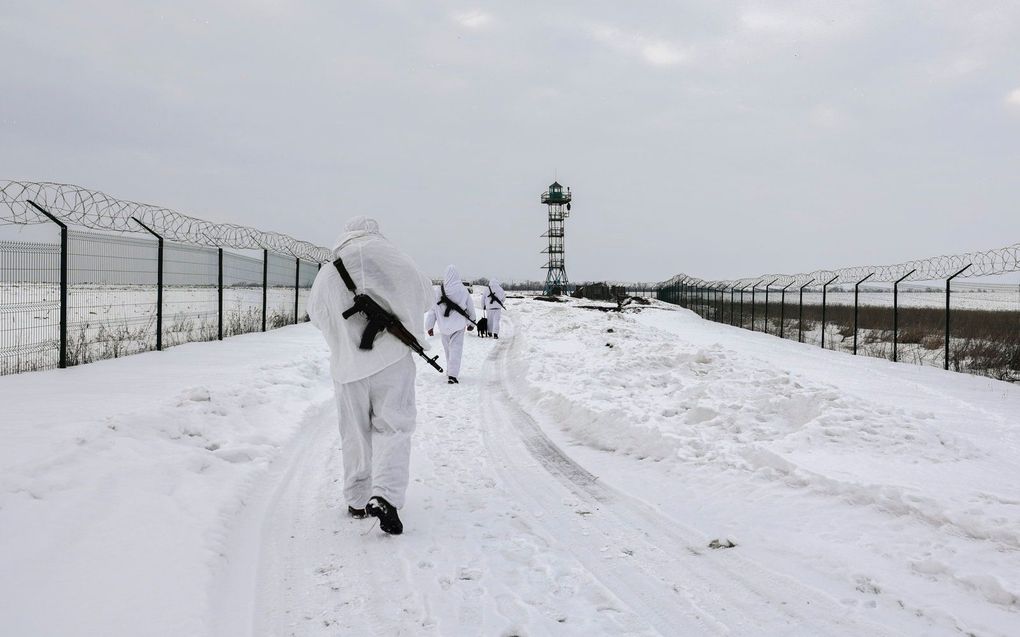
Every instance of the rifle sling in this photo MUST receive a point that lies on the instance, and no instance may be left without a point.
(373, 327)
(345, 275)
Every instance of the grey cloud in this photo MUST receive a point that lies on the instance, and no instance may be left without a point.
(700, 137)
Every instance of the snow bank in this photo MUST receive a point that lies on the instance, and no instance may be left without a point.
(930, 457)
(134, 469)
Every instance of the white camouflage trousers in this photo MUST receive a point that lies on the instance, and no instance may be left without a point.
(453, 345)
(493, 316)
(377, 417)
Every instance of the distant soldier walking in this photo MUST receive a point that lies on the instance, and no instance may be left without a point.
(453, 311)
(493, 300)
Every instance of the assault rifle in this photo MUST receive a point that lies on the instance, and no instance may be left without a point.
(379, 319)
(450, 305)
(492, 297)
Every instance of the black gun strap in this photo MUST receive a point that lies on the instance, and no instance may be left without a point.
(345, 275)
(447, 301)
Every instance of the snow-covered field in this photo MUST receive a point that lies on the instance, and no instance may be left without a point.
(572, 484)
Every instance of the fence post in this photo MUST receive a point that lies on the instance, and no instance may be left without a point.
(782, 309)
(721, 300)
(753, 288)
(265, 285)
(824, 292)
(733, 304)
(297, 282)
(219, 294)
(766, 330)
(159, 284)
(857, 287)
(62, 359)
(752, 303)
(800, 313)
(946, 364)
(896, 312)
(742, 306)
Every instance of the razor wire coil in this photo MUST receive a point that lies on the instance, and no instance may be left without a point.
(98, 211)
(981, 263)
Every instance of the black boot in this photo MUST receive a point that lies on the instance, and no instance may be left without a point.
(389, 521)
(452, 380)
(495, 336)
(357, 514)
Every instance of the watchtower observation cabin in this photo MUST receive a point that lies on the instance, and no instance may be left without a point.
(558, 202)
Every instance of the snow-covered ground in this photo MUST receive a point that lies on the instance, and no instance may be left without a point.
(120, 479)
(572, 484)
(893, 488)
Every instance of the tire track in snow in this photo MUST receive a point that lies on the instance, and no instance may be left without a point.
(235, 590)
(649, 561)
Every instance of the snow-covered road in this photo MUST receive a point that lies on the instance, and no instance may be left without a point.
(505, 535)
(475, 557)
(570, 485)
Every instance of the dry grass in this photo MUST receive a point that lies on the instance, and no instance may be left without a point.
(985, 342)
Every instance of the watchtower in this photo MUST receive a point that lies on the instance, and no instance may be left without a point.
(558, 202)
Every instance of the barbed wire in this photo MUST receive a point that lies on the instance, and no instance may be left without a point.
(98, 211)
(983, 263)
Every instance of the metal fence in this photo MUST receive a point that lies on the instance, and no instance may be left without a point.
(883, 311)
(88, 295)
(29, 306)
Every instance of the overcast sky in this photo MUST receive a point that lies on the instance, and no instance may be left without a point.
(717, 139)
